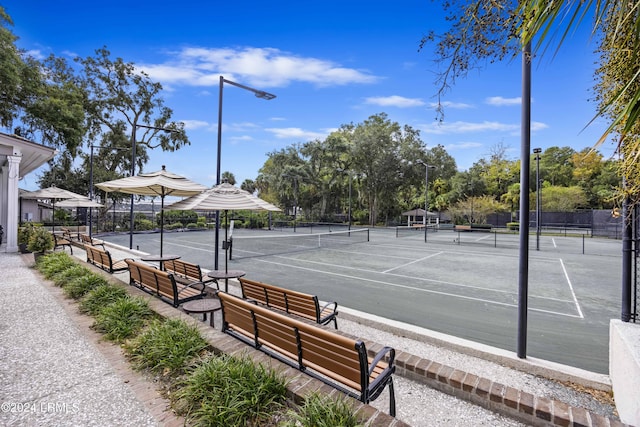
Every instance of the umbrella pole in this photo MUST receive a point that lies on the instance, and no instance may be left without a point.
(161, 222)
(226, 249)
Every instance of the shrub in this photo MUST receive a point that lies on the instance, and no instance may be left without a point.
(40, 240)
(53, 263)
(62, 277)
(323, 411)
(80, 286)
(174, 226)
(165, 346)
(230, 391)
(143, 224)
(192, 225)
(123, 318)
(101, 297)
(514, 226)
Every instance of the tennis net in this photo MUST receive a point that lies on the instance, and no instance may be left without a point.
(255, 246)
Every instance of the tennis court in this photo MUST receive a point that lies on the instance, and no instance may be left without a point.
(463, 284)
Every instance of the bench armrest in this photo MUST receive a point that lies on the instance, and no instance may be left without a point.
(381, 354)
(197, 285)
(331, 306)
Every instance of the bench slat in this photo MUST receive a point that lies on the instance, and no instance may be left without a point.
(289, 301)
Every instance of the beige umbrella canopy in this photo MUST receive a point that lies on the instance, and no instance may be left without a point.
(161, 183)
(83, 202)
(53, 193)
(224, 197)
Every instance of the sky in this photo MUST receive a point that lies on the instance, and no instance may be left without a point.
(329, 63)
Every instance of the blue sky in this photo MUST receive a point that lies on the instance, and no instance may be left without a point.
(329, 63)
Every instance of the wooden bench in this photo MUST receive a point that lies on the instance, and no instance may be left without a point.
(102, 259)
(291, 302)
(61, 242)
(85, 239)
(323, 354)
(68, 234)
(186, 272)
(163, 284)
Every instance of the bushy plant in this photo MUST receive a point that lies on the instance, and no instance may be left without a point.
(25, 232)
(63, 277)
(40, 240)
(174, 226)
(78, 287)
(166, 346)
(123, 318)
(143, 224)
(192, 225)
(100, 297)
(230, 391)
(323, 411)
(53, 263)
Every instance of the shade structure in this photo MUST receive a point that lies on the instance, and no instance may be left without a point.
(53, 193)
(224, 197)
(161, 183)
(80, 202)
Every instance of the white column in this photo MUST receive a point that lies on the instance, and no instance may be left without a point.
(13, 177)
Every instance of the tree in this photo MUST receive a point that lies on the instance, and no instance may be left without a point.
(249, 185)
(379, 145)
(12, 72)
(119, 98)
(485, 31)
(228, 177)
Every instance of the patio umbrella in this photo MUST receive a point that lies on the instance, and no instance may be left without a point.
(81, 202)
(224, 197)
(161, 183)
(53, 193)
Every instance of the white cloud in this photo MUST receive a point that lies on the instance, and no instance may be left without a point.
(194, 124)
(452, 105)
(462, 146)
(262, 67)
(394, 101)
(446, 128)
(297, 133)
(499, 101)
(468, 127)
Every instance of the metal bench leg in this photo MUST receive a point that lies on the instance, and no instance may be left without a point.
(392, 399)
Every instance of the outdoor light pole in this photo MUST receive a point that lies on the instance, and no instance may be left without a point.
(258, 94)
(133, 171)
(426, 194)
(537, 152)
(91, 194)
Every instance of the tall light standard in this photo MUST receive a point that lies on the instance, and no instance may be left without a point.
(257, 93)
(91, 194)
(133, 170)
(426, 194)
(537, 152)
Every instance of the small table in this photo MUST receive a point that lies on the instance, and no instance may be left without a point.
(160, 259)
(204, 306)
(226, 275)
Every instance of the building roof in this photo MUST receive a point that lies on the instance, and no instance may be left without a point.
(33, 155)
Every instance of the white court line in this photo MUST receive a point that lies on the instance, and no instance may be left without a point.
(412, 262)
(414, 288)
(422, 279)
(553, 239)
(566, 275)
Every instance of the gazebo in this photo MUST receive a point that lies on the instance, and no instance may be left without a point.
(413, 215)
